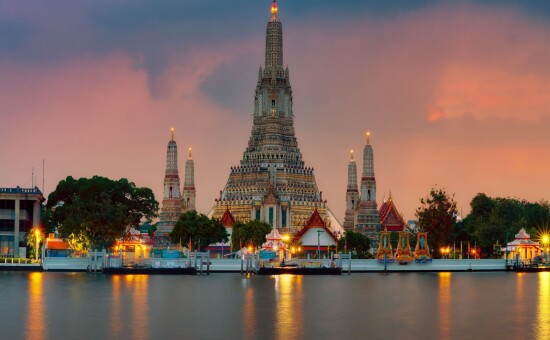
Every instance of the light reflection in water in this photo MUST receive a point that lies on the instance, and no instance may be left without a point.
(35, 309)
(289, 295)
(542, 328)
(115, 309)
(138, 285)
(519, 309)
(444, 305)
(249, 311)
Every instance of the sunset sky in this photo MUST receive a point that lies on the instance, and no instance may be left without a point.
(455, 93)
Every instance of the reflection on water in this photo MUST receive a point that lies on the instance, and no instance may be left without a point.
(444, 305)
(35, 308)
(249, 311)
(542, 325)
(115, 308)
(289, 309)
(138, 284)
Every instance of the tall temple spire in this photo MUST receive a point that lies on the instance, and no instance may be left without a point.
(274, 43)
(368, 219)
(368, 159)
(189, 192)
(352, 194)
(171, 203)
(272, 183)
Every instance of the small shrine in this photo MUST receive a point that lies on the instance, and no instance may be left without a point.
(390, 218)
(385, 253)
(315, 234)
(522, 247)
(403, 255)
(274, 241)
(422, 250)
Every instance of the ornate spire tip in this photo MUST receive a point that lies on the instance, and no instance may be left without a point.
(190, 156)
(368, 137)
(351, 154)
(172, 133)
(274, 8)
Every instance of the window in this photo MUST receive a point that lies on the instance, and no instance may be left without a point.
(271, 217)
(257, 213)
(283, 218)
(273, 103)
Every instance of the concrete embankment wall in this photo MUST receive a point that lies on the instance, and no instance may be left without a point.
(372, 266)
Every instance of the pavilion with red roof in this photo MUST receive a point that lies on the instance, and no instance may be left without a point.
(314, 233)
(390, 218)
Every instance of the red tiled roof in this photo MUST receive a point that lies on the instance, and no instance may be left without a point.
(390, 217)
(227, 219)
(315, 221)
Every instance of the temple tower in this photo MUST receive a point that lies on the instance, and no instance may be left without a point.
(368, 219)
(272, 183)
(188, 196)
(352, 194)
(171, 203)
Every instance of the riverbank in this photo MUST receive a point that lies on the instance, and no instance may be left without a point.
(235, 266)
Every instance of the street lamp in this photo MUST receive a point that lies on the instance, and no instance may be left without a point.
(319, 232)
(545, 240)
(37, 237)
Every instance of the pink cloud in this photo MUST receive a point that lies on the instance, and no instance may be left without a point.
(440, 88)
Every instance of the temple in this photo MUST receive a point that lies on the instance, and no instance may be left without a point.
(390, 218)
(361, 208)
(352, 195)
(272, 183)
(188, 194)
(171, 202)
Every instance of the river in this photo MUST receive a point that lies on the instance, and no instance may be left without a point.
(496, 305)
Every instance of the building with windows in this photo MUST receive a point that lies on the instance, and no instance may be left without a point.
(20, 211)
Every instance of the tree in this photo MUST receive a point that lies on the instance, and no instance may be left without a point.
(437, 215)
(251, 233)
(199, 229)
(357, 243)
(98, 209)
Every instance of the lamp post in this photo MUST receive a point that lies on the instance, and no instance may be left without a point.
(319, 232)
(545, 240)
(37, 237)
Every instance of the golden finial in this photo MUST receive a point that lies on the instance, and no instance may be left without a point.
(390, 196)
(274, 8)
(172, 133)
(351, 154)
(368, 137)
(190, 156)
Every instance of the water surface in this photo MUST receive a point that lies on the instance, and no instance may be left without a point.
(229, 306)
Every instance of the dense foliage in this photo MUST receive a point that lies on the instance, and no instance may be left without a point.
(251, 233)
(198, 231)
(356, 243)
(437, 215)
(498, 219)
(97, 210)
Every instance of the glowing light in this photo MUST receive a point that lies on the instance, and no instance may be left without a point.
(274, 8)
(250, 248)
(545, 239)
(275, 248)
(286, 238)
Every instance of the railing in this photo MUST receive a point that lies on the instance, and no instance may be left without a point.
(19, 190)
(12, 260)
